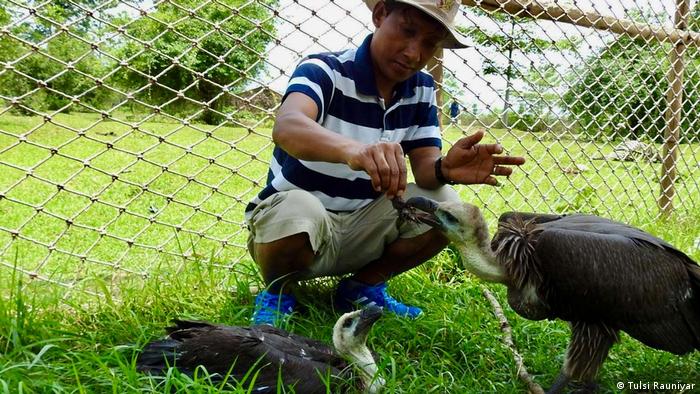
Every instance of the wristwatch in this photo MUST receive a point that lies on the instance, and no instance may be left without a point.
(439, 175)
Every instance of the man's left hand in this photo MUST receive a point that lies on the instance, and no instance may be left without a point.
(469, 162)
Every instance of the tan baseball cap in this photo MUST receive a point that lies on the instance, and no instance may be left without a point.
(443, 11)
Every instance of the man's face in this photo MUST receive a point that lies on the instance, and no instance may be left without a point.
(403, 42)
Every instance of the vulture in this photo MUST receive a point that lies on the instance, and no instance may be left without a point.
(259, 356)
(599, 275)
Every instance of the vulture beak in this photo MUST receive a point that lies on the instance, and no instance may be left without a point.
(422, 209)
(368, 316)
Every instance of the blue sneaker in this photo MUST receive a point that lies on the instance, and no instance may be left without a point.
(273, 309)
(351, 294)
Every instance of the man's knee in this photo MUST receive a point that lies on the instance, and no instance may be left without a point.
(286, 214)
(292, 253)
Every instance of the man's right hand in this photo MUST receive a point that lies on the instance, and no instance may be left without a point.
(298, 134)
(385, 164)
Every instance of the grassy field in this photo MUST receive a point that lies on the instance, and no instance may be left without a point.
(93, 269)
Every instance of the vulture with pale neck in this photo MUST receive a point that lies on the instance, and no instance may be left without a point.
(599, 275)
(259, 356)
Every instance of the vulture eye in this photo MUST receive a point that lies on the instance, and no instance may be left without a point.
(347, 323)
(449, 217)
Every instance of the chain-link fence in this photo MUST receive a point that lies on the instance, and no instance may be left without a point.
(133, 133)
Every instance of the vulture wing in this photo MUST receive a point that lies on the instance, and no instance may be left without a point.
(527, 216)
(313, 349)
(595, 269)
(266, 352)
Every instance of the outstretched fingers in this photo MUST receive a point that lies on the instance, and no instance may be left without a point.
(471, 140)
(502, 171)
(491, 180)
(492, 149)
(508, 160)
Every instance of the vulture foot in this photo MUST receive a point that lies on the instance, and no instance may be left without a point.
(565, 385)
(583, 388)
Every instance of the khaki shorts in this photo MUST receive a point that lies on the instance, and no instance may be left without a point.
(342, 242)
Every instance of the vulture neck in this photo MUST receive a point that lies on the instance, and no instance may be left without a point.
(362, 359)
(480, 260)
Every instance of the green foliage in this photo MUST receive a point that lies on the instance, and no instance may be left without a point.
(515, 36)
(542, 98)
(622, 89)
(694, 18)
(53, 85)
(218, 47)
(38, 51)
(451, 87)
(217, 50)
(55, 13)
(526, 120)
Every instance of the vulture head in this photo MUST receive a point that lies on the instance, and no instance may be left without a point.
(350, 340)
(464, 225)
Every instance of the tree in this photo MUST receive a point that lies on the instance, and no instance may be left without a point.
(39, 51)
(621, 90)
(542, 98)
(541, 103)
(515, 36)
(190, 52)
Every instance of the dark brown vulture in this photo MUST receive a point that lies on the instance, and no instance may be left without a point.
(599, 275)
(267, 354)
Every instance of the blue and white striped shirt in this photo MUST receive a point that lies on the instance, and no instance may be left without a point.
(343, 87)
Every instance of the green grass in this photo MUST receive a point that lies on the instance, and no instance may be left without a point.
(98, 270)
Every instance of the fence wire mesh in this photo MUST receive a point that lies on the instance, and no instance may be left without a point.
(133, 133)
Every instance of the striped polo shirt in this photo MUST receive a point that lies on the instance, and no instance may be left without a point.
(342, 85)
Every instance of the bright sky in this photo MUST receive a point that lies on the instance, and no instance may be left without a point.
(338, 25)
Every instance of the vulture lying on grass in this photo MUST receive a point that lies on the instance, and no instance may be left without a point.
(257, 356)
(601, 276)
